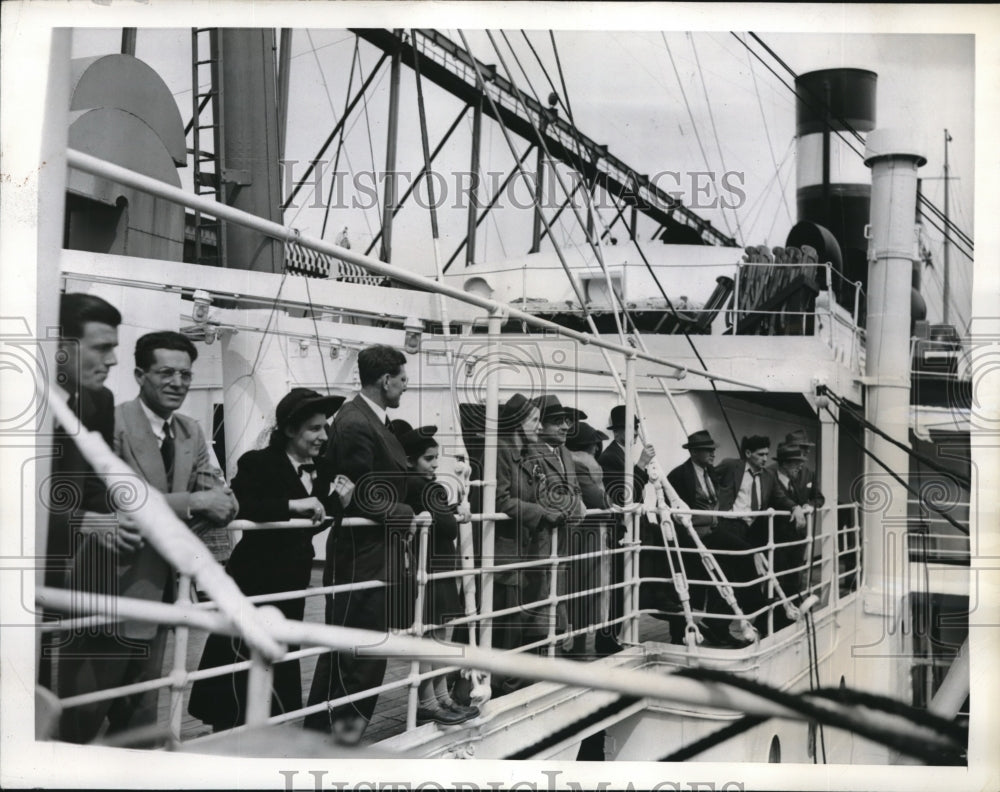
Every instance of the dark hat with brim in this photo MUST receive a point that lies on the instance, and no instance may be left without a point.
(513, 412)
(799, 438)
(399, 427)
(789, 452)
(700, 439)
(617, 419)
(583, 436)
(304, 401)
(418, 440)
(549, 408)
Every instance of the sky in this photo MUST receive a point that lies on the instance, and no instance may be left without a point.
(672, 102)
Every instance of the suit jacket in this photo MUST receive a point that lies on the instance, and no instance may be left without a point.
(145, 574)
(73, 486)
(362, 448)
(730, 472)
(685, 480)
(612, 461)
(804, 489)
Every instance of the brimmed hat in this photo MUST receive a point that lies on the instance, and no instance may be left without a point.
(301, 400)
(550, 407)
(418, 440)
(617, 420)
(799, 438)
(789, 452)
(513, 411)
(584, 435)
(700, 439)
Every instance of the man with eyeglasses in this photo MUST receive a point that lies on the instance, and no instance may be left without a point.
(170, 452)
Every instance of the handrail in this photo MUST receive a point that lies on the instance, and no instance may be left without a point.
(98, 167)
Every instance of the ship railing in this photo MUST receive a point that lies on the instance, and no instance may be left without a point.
(842, 305)
(563, 590)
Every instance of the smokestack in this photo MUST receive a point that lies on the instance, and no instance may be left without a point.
(833, 184)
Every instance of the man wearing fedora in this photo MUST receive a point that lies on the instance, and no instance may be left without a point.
(798, 482)
(695, 483)
(802, 486)
(539, 491)
(612, 461)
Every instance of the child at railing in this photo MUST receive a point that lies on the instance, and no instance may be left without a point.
(429, 500)
(274, 484)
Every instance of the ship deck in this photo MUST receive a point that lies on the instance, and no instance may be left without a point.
(390, 714)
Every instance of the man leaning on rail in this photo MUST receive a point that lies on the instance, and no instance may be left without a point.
(170, 452)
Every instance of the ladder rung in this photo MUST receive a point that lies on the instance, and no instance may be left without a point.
(207, 60)
(207, 126)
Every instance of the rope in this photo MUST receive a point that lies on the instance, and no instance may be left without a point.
(944, 515)
(616, 706)
(340, 140)
(767, 134)
(943, 751)
(745, 723)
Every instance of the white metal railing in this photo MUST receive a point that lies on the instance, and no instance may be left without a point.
(826, 586)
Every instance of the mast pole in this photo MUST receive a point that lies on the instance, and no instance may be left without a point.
(472, 222)
(947, 280)
(390, 154)
(882, 640)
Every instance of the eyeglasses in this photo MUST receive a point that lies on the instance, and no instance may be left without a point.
(560, 421)
(167, 374)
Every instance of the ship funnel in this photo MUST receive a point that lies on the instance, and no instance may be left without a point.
(833, 184)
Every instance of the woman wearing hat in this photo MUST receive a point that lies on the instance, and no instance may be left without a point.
(287, 479)
(428, 497)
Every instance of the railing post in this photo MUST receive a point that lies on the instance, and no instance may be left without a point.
(553, 588)
(494, 325)
(605, 581)
(180, 663)
(417, 630)
(771, 576)
(259, 681)
(630, 628)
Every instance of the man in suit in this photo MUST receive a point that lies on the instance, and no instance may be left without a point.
(746, 484)
(800, 488)
(87, 341)
(540, 493)
(652, 561)
(169, 452)
(694, 481)
(804, 481)
(363, 447)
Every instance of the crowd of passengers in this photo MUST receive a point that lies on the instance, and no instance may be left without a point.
(551, 467)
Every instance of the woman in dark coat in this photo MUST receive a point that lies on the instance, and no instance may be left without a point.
(286, 480)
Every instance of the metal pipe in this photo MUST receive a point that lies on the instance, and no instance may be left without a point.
(128, 48)
(181, 634)
(494, 324)
(124, 176)
(413, 695)
(631, 517)
(259, 679)
(390, 156)
(284, 79)
(954, 689)
(553, 589)
(472, 222)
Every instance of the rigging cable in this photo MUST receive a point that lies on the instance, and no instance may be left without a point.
(694, 126)
(947, 517)
(615, 297)
(371, 148)
(917, 455)
(340, 141)
(715, 133)
(767, 134)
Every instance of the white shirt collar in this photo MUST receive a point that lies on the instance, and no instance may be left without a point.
(155, 421)
(380, 412)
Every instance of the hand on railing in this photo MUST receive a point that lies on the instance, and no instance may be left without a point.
(124, 539)
(218, 504)
(648, 452)
(463, 513)
(310, 508)
(343, 488)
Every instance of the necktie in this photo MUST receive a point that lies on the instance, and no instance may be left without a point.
(167, 453)
(754, 493)
(388, 423)
(709, 489)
